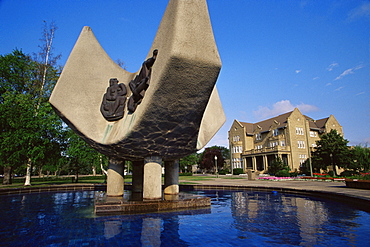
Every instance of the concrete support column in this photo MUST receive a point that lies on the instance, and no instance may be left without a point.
(171, 177)
(137, 176)
(265, 162)
(290, 162)
(152, 183)
(254, 163)
(115, 180)
(244, 164)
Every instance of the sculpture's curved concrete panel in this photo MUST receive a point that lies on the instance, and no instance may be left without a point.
(180, 111)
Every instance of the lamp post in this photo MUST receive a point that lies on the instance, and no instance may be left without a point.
(216, 165)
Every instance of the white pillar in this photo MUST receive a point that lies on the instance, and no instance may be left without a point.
(115, 180)
(265, 162)
(171, 177)
(152, 182)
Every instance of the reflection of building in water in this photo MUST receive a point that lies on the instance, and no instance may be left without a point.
(151, 232)
(112, 228)
(299, 217)
(241, 204)
(311, 216)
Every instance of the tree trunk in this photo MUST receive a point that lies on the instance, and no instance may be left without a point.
(27, 182)
(40, 172)
(7, 175)
(94, 171)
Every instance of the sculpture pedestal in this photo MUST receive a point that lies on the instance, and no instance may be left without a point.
(152, 179)
(115, 180)
(171, 177)
(113, 206)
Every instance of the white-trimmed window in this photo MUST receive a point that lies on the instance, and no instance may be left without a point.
(258, 137)
(258, 147)
(313, 133)
(237, 163)
(275, 132)
(282, 143)
(302, 158)
(273, 144)
(301, 144)
(299, 130)
(237, 149)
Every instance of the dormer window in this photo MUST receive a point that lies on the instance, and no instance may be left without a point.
(258, 137)
(275, 132)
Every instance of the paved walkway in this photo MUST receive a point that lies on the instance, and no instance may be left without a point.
(335, 188)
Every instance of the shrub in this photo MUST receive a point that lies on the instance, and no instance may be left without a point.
(293, 174)
(277, 165)
(348, 173)
(331, 173)
(237, 171)
(223, 172)
(282, 173)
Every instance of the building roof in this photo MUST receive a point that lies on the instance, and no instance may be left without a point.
(279, 122)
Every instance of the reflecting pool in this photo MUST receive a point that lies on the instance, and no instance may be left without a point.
(234, 219)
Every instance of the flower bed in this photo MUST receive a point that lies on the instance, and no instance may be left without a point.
(273, 178)
(324, 178)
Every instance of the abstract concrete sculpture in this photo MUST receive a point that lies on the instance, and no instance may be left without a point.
(181, 110)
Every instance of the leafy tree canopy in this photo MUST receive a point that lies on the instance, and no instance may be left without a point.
(331, 150)
(207, 158)
(188, 161)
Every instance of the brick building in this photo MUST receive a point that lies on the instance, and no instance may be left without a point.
(291, 136)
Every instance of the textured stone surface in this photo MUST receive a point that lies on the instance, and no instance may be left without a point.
(171, 177)
(131, 207)
(181, 110)
(115, 180)
(152, 179)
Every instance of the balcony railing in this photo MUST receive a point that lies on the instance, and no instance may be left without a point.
(267, 150)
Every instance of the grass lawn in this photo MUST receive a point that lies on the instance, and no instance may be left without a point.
(52, 180)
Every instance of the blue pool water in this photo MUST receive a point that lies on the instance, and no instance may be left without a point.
(234, 219)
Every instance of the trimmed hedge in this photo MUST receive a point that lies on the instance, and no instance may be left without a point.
(237, 171)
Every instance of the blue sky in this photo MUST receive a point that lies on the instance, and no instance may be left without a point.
(276, 55)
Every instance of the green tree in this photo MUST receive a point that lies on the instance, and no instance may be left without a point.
(45, 77)
(16, 110)
(81, 156)
(278, 167)
(30, 130)
(332, 151)
(207, 158)
(187, 162)
(361, 157)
